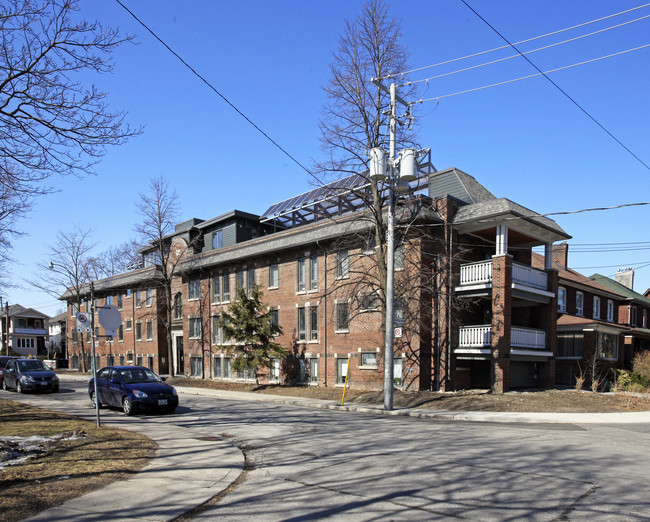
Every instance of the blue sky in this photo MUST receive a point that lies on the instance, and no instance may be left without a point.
(524, 141)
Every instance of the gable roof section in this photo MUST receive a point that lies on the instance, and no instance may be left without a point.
(569, 276)
(133, 279)
(621, 289)
(459, 185)
(20, 311)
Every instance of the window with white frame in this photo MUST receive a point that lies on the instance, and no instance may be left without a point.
(128, 323)
(217, 239)
(194, 288)
(369, 360)
(561, 299)
(313, 273)
(216, 289)
(225, 288)
(342, 264)
(596, 307)
(274, 370)
(313, 369)
(217, 368)
(275, 316)
(274, 276)
(149, 294)
(301, 323)
(301, 274)
(196, 367)
(138, 298)
(227, 372)
(138, 331)
(313, 323)
(610, 311)
(178, 306)
(341, 370)
(250, 281)
(195, 328)
(580, 303)
(239, 278)
(217, 331)
(607, 346)
(398, 312)
(109, 300)
(369, 302)
(149, 330)
(397, 371)
(342, 312)
(120, 303)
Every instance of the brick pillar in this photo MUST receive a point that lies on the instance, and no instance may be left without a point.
(547, 369)
(501, 322)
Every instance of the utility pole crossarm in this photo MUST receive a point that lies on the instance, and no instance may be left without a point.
(398, 98)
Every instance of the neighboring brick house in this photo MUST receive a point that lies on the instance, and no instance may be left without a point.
(633, 311)
(473, 310)
(588, 328)
(27, 333)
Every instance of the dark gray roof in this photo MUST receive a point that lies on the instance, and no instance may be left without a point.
(150, 274)
(459, 185)
(18, 310)
(228, 215)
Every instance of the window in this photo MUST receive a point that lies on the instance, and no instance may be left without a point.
(633, 315)
(313, 323)
(302, 370)
(110, 360)
(596, 307)
(225, 288)
(341, 370)
(217, 367)
(313, 369)
(195, 328)
(561, 299)
(216, 289)
(580, 303)
(369, 360)
(109, 300)
(120, 335)
(178, 306)
(342, 264)
(239, 278)
(194, 288)
(369, 302)
(313, 273)
(138, 360)
(74, 309)
(128, 292)
(128, 323)
(569, 344)
(397, 371)
(122, 360)
(217, 332)
(398, 312)
(302, 266)
(369, 244)
(217, 239)
(250, 281)
(399, 257)
(149, 330)
(644, 323)
(196, 367)
(138, 299)
(342, 316)
(301, 333)
(73, 335)
(607, 346)
(138, 331)
(274, 370)
(275, 316)
(227, 374)
(610, 310)
(149, 301)
(119, 302)
(274, 276)
(150, 362)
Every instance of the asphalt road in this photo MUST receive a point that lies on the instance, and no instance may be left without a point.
(309, 464)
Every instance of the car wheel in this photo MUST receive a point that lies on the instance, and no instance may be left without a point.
(127, 406)
(19, 387)
(92, 400)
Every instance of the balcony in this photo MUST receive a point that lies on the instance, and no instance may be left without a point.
(480, 338)
(527, 282)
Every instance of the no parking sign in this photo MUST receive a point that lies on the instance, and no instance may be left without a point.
(83, 322)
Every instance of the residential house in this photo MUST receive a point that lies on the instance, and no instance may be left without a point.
(27, 331)
(57, 345)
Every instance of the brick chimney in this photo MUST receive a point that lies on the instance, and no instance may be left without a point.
(561, 254)
(625, 276)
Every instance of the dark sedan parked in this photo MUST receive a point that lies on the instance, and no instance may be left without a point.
(29, 375)
(4, 359)
(132, 388)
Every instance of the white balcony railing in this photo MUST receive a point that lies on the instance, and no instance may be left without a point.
(481, 273)
(481, 336)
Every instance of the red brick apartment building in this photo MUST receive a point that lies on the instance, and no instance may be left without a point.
(474, 311)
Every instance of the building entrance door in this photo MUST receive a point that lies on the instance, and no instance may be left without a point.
(180, 357)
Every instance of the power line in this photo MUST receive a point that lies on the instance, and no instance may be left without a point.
(596, 208)
(558, 87)
(527, 52)
(518, 43)
(214, 89)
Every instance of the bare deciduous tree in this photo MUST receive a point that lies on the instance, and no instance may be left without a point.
(115, 260)
(159, 211)
(51, 122)
(68, 270)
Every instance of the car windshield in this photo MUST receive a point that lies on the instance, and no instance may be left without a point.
(134, 375)
(32, 366)
(3, 362)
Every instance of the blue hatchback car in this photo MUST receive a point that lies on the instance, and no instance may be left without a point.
(133, 388)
